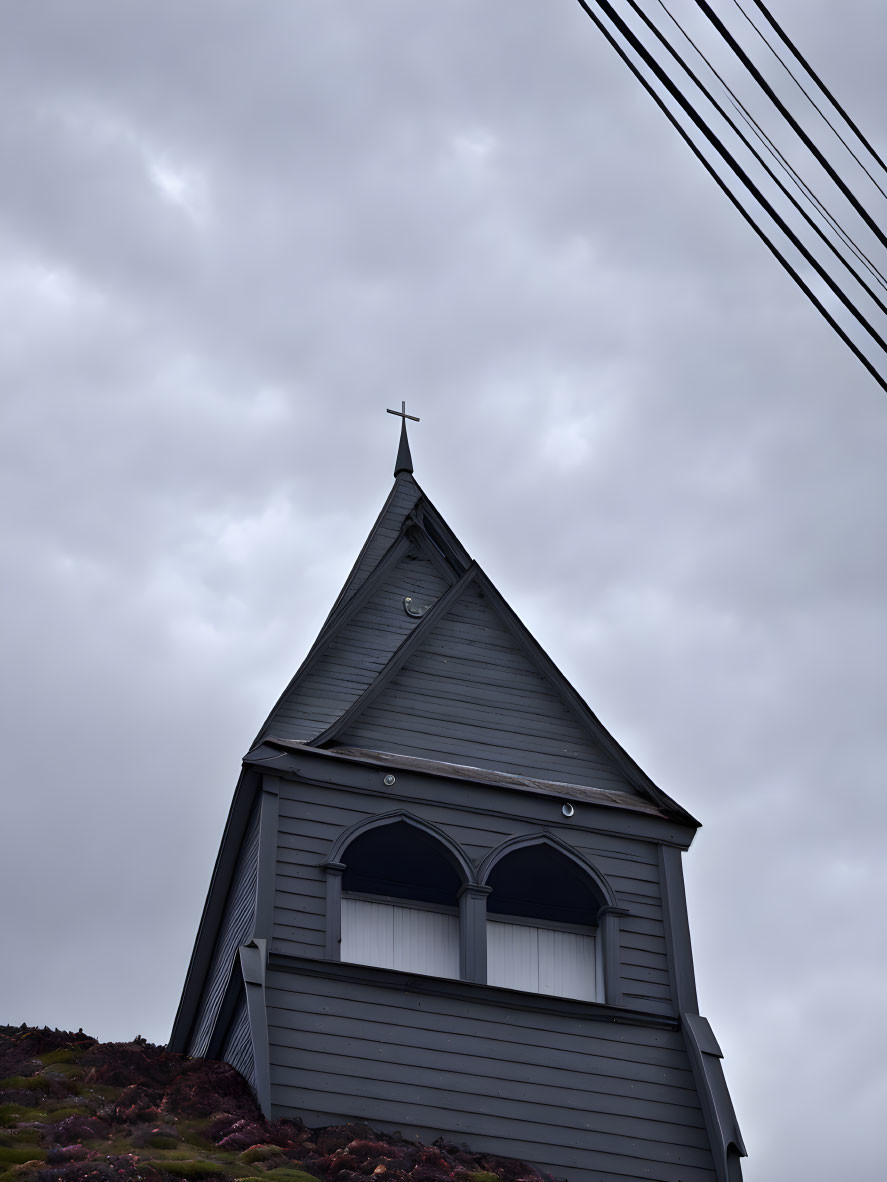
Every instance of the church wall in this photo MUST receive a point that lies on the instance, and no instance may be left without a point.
(235, 929)
(238, 1047)
(591, 1100)
(311, 817)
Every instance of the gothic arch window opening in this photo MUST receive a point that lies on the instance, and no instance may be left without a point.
(400, 905)
(542, 925)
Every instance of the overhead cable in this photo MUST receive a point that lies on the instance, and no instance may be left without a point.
(785, 164)
(807, 95)
(799, 57)
(709, 167)
(842, 296)
(713, 17)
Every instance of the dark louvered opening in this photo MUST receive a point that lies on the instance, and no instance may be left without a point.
(402, 862)
(538, 882)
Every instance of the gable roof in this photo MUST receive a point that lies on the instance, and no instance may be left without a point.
(421, 656)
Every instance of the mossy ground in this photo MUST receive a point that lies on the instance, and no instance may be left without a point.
(75, 1110)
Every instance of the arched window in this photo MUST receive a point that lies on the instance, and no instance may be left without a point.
(400, 906)
(542, 925)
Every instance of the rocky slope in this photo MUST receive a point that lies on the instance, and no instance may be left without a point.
(76, 1110)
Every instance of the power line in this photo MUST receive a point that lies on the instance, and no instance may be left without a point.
(787, 167)
(831, 246)
(808, 96)
(715, 141)
(796, 53)
(709, 167)
(713, 17)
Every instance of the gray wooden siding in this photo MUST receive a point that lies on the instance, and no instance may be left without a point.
(311, 817)
(469, 695)
(235, 929)
(403, 497)
(238, 1048)
(355, 657)
(587, 1100)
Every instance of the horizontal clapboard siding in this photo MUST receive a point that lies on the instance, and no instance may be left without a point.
(592, 1100)
(236, 928)
(354, 658)
(311, 817)
(481, 701)
(238, 1048)
(401, 500)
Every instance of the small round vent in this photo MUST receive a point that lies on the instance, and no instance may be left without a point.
(415, 607)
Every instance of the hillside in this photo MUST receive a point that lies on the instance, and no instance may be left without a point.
(73, 1109)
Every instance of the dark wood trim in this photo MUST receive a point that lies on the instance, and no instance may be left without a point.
(398, 659)
(553, 841)
(395, 553)
(253, 958)
(422, 542)
(222, 1024)
(640, 826)
(395, 901)
(336, 622)
(471, 992)
(473, 933)
(677, 931)
(577, 705)
(333, 918)
(265, 878)
(725, 1138)
(214, 908)
(457, 855)
(341, 598)
(425, 509)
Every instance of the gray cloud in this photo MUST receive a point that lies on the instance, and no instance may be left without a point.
(232, 235)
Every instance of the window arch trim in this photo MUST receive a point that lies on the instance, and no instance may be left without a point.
(512, 844)
(463, 866)
(334, 868)
(608, 915)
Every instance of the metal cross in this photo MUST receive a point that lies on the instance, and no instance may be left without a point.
(402, 414)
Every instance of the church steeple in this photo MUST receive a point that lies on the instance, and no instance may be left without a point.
(404, 461)
(421, 656)
(447, 900)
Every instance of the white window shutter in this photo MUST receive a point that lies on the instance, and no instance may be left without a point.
(513, 956)
(400, 937)
(566, 964)
(541, 960)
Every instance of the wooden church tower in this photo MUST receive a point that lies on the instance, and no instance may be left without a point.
(448, 902)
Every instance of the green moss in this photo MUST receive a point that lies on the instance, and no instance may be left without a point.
(17, 1173)
(62, 1055)
(259, 1153)
(25, 1083)
(289, 1174)
(52, 1113)
(161, 1142)
(194, 1132)
(162, 1157)
(69, 1071)
(11, 1113)
(484, 1176)
(21, 1137)
(15, 1157)
(191, 1169)
(100, 1091)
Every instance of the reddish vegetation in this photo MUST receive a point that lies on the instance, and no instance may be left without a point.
(76, 1110)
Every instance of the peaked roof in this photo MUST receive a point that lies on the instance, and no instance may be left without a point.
(422, 658)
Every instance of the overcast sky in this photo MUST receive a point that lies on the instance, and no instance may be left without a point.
(232, 234)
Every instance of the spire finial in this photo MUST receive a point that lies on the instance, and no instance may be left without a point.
(404, 461)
